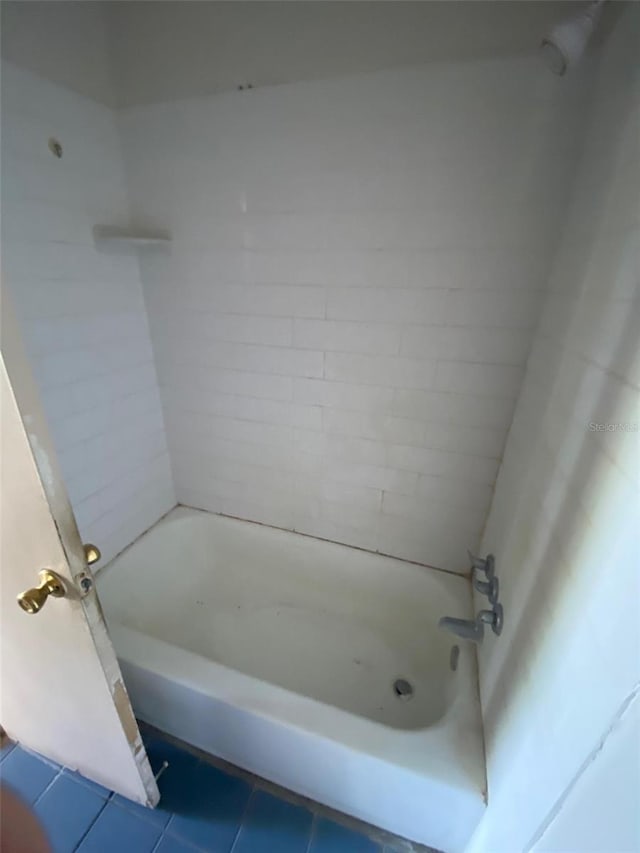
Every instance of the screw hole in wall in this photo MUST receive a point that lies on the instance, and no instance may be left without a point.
(55, 147)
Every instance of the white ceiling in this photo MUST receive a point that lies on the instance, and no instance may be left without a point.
(65, 42)
(126, 52)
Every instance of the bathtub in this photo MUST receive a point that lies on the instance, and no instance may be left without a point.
(317, 666)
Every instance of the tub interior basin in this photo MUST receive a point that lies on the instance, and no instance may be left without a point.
(336, 624)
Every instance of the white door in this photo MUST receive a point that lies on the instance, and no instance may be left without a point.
(62, 690)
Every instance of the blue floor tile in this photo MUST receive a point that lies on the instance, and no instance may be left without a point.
(26, 774)
(103, 792)
(178, 781)
(271, 825)
(117, 830)
(330, 837)
(209, 807)
(66, 810)
(158, 816)
(201, 808)
(168, 844)
(7, 746)
(159, 751)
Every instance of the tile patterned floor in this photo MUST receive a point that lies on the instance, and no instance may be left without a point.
(202, 808)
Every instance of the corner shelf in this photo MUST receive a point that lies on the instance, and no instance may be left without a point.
(129, 237)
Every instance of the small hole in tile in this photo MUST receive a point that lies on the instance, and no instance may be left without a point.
(55, 147)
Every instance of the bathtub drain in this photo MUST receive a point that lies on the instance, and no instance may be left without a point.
(403, 688)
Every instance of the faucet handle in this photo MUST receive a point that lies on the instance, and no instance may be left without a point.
(487, 565)
(493, 617)
(490, 588)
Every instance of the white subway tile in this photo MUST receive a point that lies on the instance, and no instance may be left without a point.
(444, 408)
(268, 455)
(273, 331)
(331, 336)
(463, 466)
(284, 361)
(478, 269)
(265, 411)
(188, 468)
(335, 531)
(209, 381)
(248, 384)
(373, 476)
(455, 492)
(350, 515)
(344, 493)
(394, 372)
(342, 422)
(309, 441)
(285, 231)
(347, 449)
(464, 343)
(488, 380)
(267, 300)
(191, 426)
(278, 511)
(342, 395)
(378, 426)
(395, 305)
(392, 429)
(515, 309)
(480, 441)
(427, 509)
(434, 544)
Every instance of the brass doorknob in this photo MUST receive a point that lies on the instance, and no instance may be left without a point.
(92, 554)
(33, 600)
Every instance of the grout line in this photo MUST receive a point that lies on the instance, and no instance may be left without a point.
(244, 815)
(463, 575)
(139, 536)
(7, 749)
(165, 828)
(312, 831)
(91, 825)
(206, 364)
(158, 842)
(48, 787)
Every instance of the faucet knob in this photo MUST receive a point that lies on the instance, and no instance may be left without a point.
(487, 565)
(493, 617)
(490, 588)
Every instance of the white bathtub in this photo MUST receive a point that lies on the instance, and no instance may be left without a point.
(279, 653)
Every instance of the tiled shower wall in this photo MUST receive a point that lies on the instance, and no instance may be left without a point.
(341, 322)
(81, 310)
(564, 523)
